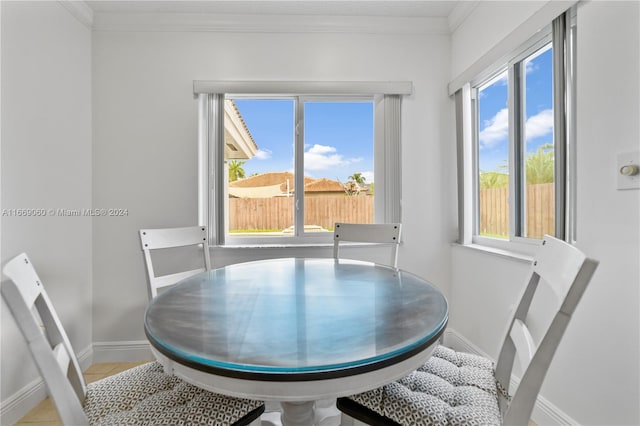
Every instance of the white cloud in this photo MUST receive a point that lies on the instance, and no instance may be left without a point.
(495, 129)
(540, 124)
(263, 154)
(530, 67)
(322, 157)
(321, 149)
(368, 176)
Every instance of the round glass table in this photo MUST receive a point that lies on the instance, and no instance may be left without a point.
(296, 330)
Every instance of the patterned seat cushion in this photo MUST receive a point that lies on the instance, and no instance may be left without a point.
(451, 388)
(145, 395)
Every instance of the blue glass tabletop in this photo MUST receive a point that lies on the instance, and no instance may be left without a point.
(297, 319)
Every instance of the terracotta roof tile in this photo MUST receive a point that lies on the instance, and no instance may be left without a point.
(268, 179)
(280, 178)
(323, 185)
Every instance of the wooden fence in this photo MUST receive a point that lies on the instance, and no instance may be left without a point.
(277, 213)
(494, 211)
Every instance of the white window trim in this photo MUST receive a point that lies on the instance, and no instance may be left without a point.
(466, 143)
(277, 87)
(210, 95)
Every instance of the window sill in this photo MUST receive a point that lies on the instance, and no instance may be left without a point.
(508, 254)
(293, 246)
(270, 246)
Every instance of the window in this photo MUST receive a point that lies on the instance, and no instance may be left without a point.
(493, 156)
(257, 150)
(322, 145)
(523, 126)
(521, 141)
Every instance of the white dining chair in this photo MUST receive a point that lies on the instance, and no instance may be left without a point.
(142, 395)
(383, 233)
(457, 388)
(167, 238)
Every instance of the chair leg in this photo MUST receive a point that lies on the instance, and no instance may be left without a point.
(346, 420)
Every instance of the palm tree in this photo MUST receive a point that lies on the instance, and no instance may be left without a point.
(235, 170)
(354, 184)
(539, 166)
(357, 178)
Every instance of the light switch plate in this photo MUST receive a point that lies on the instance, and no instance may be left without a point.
(624, 159)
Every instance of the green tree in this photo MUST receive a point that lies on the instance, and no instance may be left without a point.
(353, 185)
(494, 179)
(539, 166)
(236, 171)
(357, 178)
(498, 178)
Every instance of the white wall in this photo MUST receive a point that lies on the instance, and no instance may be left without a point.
(46, 163)
(144, 156)
(474, 37)
(594, 378)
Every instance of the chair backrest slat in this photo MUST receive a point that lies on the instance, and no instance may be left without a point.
(382, 233)
(153, 239)
(19, 269)
(566, 271)
(165, 238)
(523, 341)
(62, 356)
(52, 352)
(171, 279)
(558, 276)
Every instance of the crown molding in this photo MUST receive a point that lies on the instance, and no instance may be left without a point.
(80, 10)
(192, 22)
(461, 12)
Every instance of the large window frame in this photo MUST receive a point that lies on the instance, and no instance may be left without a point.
(561, 35)
(386, 97)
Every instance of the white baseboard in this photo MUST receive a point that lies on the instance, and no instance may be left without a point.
(26, 399)
(544, 412)
(454, 340)
(124, 351)
(21, 402)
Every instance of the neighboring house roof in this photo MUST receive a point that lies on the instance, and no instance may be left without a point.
(323, 185)
(264, 179)
(274, 184)
(269, 178)
(239, 144)
(256, 192)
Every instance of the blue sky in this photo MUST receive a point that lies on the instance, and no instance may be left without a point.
(493, 113)
(338, 137)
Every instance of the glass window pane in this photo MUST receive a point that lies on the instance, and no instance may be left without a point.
(338, 163)
(539, 202)
(259, 157)
(493, 158)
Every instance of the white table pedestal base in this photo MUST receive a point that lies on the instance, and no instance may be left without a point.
(324, 411)
(297, 413)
